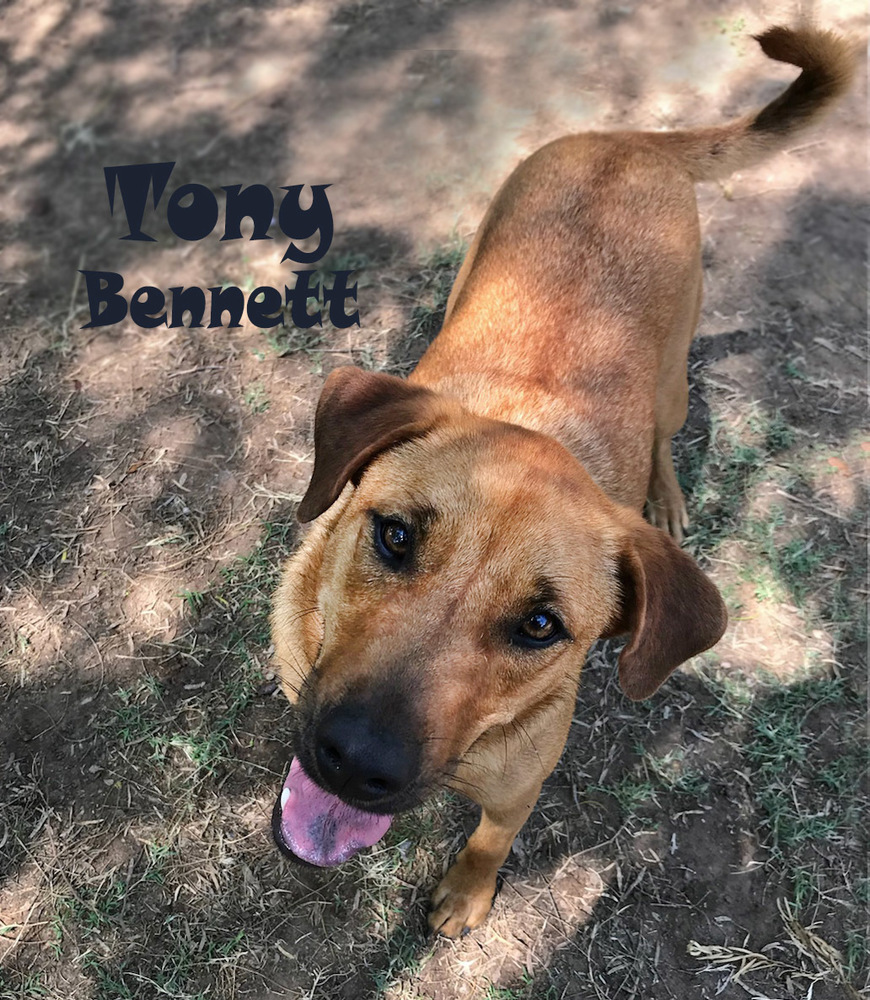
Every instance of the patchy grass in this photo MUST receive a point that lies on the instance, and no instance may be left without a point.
(255, 398)
(733, 784)
(429, 291)
(630, 793)
(312, 342)
(793, 772)
(808, 957)
(148, 480)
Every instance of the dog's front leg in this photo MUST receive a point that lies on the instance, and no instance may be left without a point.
(503, 773)
(464, 896)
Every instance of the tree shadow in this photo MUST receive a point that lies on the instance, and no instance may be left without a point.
(64, 729)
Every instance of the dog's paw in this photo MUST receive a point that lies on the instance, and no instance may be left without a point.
(461, 902)
(669, 513)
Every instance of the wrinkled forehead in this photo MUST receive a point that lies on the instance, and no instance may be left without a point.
(514, 496)
(492, 463)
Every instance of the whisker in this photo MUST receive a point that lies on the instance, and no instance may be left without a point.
(297, 690)
(301, 614)
(525, 732)
(449, 779)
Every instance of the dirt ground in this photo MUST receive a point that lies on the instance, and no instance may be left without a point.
(708, 843)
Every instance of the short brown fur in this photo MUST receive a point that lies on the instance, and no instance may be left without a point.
(522, 450)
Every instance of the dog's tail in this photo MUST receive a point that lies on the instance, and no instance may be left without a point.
(827, 61)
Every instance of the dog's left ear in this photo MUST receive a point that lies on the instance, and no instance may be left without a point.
(669, 607)
(359, 414)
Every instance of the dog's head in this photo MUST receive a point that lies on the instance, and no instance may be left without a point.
(460, 584)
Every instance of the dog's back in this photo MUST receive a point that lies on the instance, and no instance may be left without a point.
(583, 284)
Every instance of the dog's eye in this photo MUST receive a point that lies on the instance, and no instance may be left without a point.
(539, 629)
(392, 539)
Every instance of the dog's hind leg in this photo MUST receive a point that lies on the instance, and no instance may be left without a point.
(666, 506)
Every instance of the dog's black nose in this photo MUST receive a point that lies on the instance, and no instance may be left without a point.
(360, 758)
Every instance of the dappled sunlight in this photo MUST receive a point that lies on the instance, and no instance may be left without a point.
(15, 134)
(840, 477)
(44, 639)
(19, 899)
(52, 19)
(18, 261)
(533, 917)
(150, 478)
(152, 606)
(782, 572)
(766, 631)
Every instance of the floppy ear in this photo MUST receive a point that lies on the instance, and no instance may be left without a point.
(358, 415)
(669, 606)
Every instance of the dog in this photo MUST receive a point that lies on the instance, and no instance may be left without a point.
(479, 525)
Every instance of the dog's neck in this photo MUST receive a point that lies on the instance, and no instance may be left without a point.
(619, 467)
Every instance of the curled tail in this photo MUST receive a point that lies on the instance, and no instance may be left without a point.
(827, 61)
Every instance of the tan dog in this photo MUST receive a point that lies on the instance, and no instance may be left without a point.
(478, 525)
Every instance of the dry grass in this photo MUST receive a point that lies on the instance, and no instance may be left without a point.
(148, 492)
(813, 959)
(152, 874)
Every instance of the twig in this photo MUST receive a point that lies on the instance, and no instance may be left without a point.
(196, 371)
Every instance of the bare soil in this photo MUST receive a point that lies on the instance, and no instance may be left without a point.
(149, 478)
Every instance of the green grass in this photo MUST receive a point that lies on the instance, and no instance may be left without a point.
(671, 774)
(805, 763)
(630, 793)
(785, 552)
(503, 993)
(30, 986)
(406, 955)
(193, 600)
(93, 908)
(193, 733)
(792, 561)
(182, 953)
(432, 289)
(659, 781)
(790, 784)
(716, 483)
(779, 435)
(857, 952)
(175, 742)
(527, 989)
(718, 480)
(176, 975)
(200, 893)
(255, 398)
(292, 340)
(240, 605)
(310, 342)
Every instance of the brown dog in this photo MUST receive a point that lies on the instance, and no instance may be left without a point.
(478, 525)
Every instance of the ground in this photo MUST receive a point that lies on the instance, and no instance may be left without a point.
(708, 842)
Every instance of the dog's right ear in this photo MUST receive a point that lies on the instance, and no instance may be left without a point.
(359, 414)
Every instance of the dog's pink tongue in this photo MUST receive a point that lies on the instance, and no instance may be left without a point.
(319, 827)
